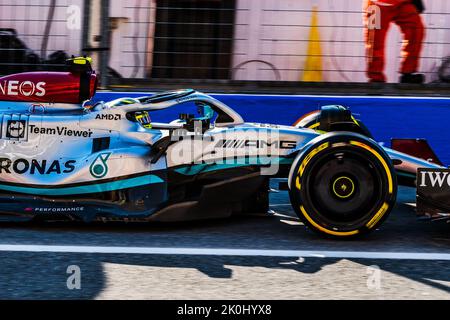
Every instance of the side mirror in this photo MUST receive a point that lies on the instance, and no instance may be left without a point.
(204, 111)
(207, 112)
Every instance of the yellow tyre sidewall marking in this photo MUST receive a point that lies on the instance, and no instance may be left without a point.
(310, 156)
(355, 121)
(378, 216)
(330, 232)
(384, 208)
(297, 183)
(315, 125)
(383, 162)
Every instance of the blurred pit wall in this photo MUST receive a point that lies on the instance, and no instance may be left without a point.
(268, 38)
(31, 17)
(274, 34)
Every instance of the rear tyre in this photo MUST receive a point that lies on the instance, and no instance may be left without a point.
(342, 185)
(309, 121)
(313, 120)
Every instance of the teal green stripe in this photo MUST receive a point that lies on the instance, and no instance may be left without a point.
(92, 188)
(197, 168)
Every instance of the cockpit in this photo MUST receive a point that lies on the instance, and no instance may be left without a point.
(192, 116)
(186, 109)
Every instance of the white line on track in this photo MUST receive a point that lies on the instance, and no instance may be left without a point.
(227, 252)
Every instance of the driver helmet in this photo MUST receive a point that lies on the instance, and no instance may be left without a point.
(143, 117)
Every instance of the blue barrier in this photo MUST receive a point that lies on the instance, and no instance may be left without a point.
(386, 117)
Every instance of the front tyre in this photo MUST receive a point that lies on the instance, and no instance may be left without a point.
(343, 185)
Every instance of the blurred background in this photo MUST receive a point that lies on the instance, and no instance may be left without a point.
(149, 41)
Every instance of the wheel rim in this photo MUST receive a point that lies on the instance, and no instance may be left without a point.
(344, 187)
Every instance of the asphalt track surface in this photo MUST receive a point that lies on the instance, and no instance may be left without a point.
(251, 257)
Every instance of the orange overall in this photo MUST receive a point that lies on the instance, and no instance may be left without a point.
(406, 16)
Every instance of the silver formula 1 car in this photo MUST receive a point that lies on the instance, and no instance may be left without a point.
(63, 158)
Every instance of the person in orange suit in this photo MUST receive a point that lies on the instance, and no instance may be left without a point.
(378, 17)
